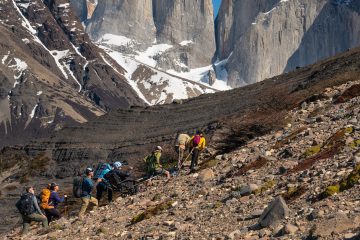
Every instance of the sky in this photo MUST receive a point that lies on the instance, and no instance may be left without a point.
(216, 6)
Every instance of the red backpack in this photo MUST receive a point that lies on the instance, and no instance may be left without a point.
(196, 140)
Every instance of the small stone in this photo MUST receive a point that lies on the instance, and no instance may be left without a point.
(219, 157)
(248, 189)
(353, 120)
(169, 223)
(195, 175)
(290, 229)
(257, 213)
(356, 158)
(349, 235)
(234, 235)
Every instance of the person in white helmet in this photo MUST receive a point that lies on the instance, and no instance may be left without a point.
(154, 166)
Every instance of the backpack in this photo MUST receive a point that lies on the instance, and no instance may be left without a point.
(44, 199)
(196, 140)
(101, 170)
(77, 186)
(150, 161)
(113, 179)
(25, 204)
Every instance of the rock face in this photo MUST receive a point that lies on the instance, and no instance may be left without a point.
(180, 21)
(186, 24)
(133, 19)
(273, 37)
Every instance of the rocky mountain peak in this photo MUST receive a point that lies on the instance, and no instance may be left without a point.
(301, 34)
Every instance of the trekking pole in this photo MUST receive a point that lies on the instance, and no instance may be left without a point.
(185, 160)
(66, 208)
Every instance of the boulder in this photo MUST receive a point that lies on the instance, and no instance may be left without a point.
(248, 189)
(206, 175)
(275, 211)
(339, 223)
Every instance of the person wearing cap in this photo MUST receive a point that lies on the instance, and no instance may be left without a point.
(87, 188)
(198, 144)
(154, 166)
(54, 200)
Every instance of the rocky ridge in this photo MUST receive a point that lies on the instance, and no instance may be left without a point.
(43, 50)
(232, 195)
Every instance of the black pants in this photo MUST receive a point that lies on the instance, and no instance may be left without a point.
(52, 214)
(102, 187)
(194, 159)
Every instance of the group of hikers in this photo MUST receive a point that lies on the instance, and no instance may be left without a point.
(105, 178)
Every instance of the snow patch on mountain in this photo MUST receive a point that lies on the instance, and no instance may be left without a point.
(180, 85)
(147, 57)
(32, 114)
(186, 42)
(58, 55)
(116, 40)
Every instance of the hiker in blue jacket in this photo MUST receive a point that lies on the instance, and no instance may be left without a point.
(86, 195)
(104, 185)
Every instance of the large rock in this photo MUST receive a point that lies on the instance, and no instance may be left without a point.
(275, 211)
(267, 38)
(206, 175)
(337, 224)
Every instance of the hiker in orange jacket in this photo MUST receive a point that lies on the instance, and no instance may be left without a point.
(197, 143)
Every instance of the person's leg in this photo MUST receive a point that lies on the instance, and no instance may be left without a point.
(39, 218)
(110, 194)
(167, 174)
(95, 202)
(196, 155)
(48, 215)
(54, 214)
(192, 166)
(84, 205)
(26, 225)
(99, 191)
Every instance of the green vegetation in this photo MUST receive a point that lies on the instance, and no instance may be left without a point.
(101, 230)
(266, 186)
(343, 185)
(313, 150)
(152, 211)
(355, 143)
(294, 193)
(209, 164)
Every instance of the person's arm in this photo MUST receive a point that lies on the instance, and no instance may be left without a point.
(36, 205)
(57, 198)
(202, 144)
(122, 175)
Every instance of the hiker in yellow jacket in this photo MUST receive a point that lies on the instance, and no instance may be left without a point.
(198, 143)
